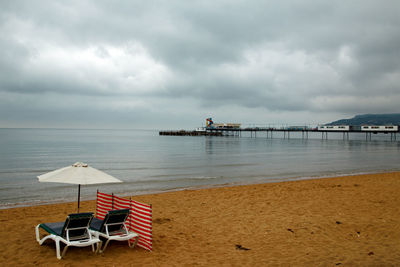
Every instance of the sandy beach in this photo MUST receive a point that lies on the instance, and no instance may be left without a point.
(343, 221)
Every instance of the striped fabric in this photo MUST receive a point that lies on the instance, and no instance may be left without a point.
(103, 205)
(141, 223)
(139, 220)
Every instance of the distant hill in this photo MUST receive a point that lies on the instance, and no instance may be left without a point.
(370, 119)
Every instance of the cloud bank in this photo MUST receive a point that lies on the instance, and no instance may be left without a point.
(170, 64)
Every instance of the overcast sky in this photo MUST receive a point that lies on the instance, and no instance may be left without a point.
(170, 64)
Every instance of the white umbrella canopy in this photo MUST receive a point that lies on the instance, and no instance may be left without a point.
(78, 173)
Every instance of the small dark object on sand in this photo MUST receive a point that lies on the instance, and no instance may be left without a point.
(290, 230)
(241, 248)
(371, 253)
(162, 220)
(337, 222)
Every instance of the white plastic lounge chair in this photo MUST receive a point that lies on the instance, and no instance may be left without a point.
(113, 228)
(73, 232)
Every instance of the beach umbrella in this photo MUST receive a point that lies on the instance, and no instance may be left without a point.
(80, 174)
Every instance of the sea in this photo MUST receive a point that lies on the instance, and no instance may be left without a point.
(149, 163)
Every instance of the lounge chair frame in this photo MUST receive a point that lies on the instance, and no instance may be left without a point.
(73, 233)
(121, 234)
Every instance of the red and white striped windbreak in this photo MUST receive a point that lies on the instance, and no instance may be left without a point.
(139, 220)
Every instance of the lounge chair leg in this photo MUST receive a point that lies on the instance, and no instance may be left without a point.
(98, 247)
(133, 244)
(41, 241)
(105, 246)
(64, 251)
(37, 233)
(58, 248)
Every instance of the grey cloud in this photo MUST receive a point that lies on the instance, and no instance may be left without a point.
(324, 57)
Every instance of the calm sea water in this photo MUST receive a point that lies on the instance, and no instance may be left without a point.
(147, 162)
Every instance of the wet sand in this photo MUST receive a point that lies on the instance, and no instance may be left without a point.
(344, 221)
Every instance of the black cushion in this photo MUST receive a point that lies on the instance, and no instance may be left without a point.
(117, 217)
(53, 228)
(96, 224)
(75, 220)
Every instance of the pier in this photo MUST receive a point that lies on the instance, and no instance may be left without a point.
(304, 132)
(210, 131)
(191, 133)
(236, 129)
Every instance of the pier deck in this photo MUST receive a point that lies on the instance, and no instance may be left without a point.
(286, 132)
(191, 133)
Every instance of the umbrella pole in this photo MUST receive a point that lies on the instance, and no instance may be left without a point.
(79, 195)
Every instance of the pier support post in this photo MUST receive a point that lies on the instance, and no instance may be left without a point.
(368, 135)
(393, 136)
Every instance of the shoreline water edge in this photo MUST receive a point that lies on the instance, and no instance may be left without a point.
(199, 187)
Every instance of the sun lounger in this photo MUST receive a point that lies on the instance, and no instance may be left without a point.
(113, 228)
(73, 232)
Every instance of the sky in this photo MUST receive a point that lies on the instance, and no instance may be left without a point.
(171, 64)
